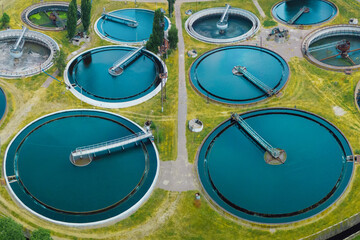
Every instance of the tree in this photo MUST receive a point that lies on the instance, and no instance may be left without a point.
(71, 19)
(85, 14)
(5, 19)
(41, 234)
(59, 61)
(9, 229)
(171, 6)
(173, 37)
(157, 35)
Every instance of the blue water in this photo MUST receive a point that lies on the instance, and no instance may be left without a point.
(94, 81)
(206, 26)
(337, 61)
(40, 155)
(211, 74)
(2, 103)
(123, 33)
(320, 11)
(250, 188)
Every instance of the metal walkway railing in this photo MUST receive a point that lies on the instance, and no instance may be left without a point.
(325, 46)
(257, 82)
(261, 141)
(222, 23)
(108, 145)
(297, 15)
(127, 21)
(119, 66)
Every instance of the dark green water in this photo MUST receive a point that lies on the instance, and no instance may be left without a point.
(233, 171)
(47, 180)
(337, 61)
(211, 73)
(320, 11)
(123, 33)
(90, 74)
(206, 26)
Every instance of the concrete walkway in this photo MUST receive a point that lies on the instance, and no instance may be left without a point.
(179, 175)
(49, 80)
(257, 5)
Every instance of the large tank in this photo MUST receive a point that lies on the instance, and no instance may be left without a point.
(43, 180)
(234, 171)
(90, 80)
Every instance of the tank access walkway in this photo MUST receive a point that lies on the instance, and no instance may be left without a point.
(119, 66)
(222, 24)
(302, 10)
(127, 21)
(91, 150)
(17, 50)
(275, 153)
(242, 71)
(326, 46)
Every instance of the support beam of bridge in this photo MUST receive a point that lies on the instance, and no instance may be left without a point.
(127, 21)
(119, 66)
(241, 71)
(302, 10)
(275, 153)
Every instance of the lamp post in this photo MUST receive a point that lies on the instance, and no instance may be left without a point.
(162, 76)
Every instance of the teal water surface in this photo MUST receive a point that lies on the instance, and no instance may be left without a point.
(49, 184)
(234, 173)
(320, 11)
(122, 33)
(211, 73)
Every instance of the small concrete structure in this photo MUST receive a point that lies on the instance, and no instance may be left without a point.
(192, 53)
(195, 125)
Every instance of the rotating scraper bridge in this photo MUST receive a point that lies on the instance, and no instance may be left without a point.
(325, 32)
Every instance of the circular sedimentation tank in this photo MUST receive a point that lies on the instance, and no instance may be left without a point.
(42, 179)
(232, 169)
(334, 47)
(305, 12)
(38, 53)
(48, 16)
(2, 104)
(116, 31)
(213, 74)
(241, 25)
(89, 79)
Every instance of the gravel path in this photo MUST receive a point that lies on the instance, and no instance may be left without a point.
(179, 175)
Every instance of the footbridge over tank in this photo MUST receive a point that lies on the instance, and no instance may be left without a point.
(90, 151)
(242, 71)
(275, 152)
(17, 50)
(302, 10)
(222, 24)
(119, 66)
(325, 46)
(127, 21)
